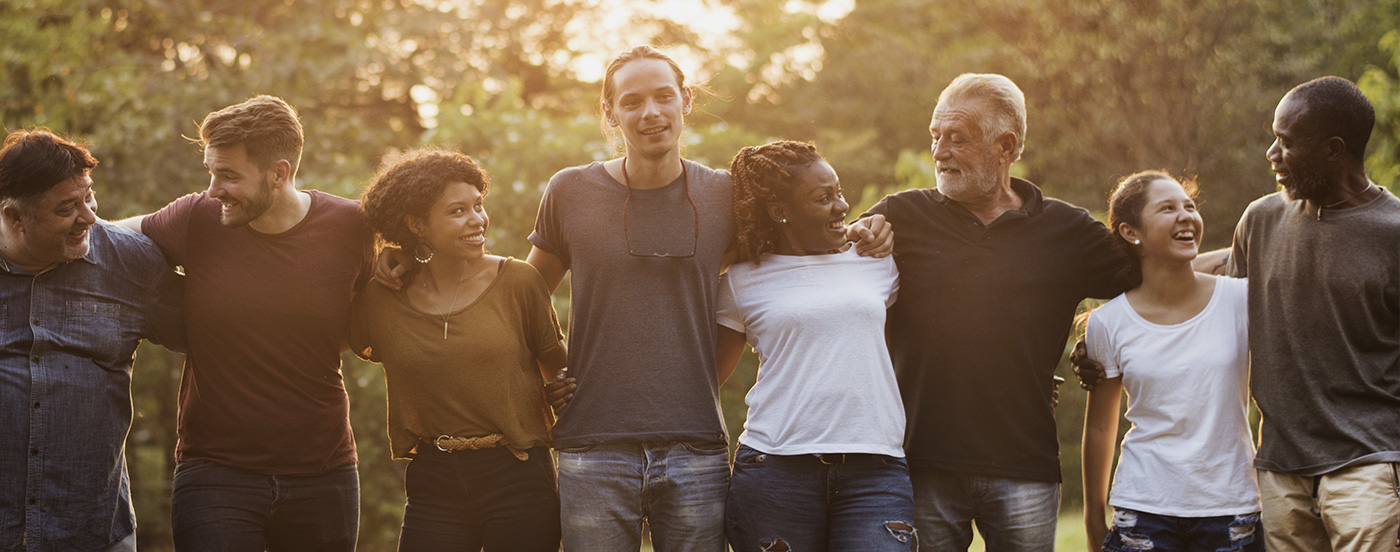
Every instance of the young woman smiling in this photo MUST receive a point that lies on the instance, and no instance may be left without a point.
(466, 345)
(1178, 344)
(820, 464)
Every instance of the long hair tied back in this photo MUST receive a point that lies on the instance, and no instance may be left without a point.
(762, 175)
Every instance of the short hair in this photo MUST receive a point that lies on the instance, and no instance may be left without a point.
(1005, 102)
(763, 175)
(1336, 107)
(1125, 207)
(266, 126)
(32, 162)
(409, 184)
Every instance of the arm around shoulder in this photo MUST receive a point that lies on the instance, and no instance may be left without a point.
(132, 223)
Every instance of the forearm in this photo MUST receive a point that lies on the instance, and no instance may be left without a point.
(553, 362)
(1212, 262)
(1100, 437)
(133, 223)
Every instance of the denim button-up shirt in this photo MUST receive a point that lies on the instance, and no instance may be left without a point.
(68, 336)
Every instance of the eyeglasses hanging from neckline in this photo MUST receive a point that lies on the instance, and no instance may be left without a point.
(626, 232)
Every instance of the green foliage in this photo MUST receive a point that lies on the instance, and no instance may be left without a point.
(1382, 86)
(1112, 88)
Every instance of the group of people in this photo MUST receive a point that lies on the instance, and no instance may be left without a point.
(900, 399)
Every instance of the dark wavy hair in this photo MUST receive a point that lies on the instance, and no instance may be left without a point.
(32, 162)
(409, 184)
(763, 175)
(1125, 207)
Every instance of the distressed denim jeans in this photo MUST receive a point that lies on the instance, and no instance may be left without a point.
(817, 502)
(1135, 531)
(1013, 515)
(678, 489)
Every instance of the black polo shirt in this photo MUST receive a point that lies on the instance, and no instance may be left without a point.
(982, 319)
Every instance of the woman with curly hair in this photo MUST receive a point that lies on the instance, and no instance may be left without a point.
(466, 345)
(820, 464)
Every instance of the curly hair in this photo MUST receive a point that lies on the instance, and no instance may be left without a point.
(1125, 207)
(763, 175)
(409, 184)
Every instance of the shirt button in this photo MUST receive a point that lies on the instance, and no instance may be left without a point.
(33, 452)
(34, 358)
(33, 501)
(36, 321)
(36, 404)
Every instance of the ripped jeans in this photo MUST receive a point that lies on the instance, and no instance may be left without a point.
(815, 502)
(1134, 531)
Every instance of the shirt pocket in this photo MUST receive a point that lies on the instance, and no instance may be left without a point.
(94, 328)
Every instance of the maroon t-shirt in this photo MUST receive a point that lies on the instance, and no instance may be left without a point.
(267, 316)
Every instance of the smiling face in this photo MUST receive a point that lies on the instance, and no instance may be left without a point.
(56, 228)
(815, 212)
(649, 106)
(968, 165)
(1298, 155)
(455, 225)
(1169, 227)
(244, 191)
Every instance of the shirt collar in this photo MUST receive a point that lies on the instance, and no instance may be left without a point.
(91, 257)
(1032, 199)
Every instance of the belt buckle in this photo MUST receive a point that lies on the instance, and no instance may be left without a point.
(438, 443)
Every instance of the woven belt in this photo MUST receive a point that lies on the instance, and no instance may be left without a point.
(448, 444)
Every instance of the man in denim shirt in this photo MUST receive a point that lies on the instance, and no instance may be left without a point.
(76, 297)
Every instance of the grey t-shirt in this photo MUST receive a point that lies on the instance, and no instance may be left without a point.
(641, 328)
(1324, 331)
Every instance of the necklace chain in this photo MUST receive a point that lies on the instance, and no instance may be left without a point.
(453, 305)
(1349, 198)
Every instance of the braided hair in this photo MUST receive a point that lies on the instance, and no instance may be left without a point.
(762, 176)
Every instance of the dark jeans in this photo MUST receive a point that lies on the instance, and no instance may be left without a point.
(1133, 531)
(216, 509)
(470, 499)
(816, 502)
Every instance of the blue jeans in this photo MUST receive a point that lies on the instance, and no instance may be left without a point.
(215, 509)
(1133, 531)
(1013, 515)
(606, 491)
(470, 499)
(818, 502)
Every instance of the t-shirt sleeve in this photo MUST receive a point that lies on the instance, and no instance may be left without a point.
(170, 227)
(881, 207)
(165, 315)
(548, 234)
(726, 308)
(362, 326)
(892, 276)
(1098, 343)
(1238, 265)
(543, 331)
(1103, 261)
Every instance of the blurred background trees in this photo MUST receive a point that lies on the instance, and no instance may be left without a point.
(1112, 87)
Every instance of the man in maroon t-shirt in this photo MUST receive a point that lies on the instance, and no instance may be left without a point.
(266, 459)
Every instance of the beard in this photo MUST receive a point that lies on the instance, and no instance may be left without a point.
(1307, 183)
(248, 211)
(972, 182)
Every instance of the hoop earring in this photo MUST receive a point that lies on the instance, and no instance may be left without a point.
(418, 253)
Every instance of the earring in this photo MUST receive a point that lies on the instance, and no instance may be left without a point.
(1137, 242)
(418, 253)
(783, 221)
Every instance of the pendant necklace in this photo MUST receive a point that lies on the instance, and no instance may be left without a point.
(1353, 196)
(451, 305)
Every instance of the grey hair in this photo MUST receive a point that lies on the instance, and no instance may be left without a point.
(1006, 102)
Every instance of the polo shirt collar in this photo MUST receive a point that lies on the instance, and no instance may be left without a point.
(1032, 200)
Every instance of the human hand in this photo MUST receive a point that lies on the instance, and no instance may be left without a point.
(874, 236)
(1090, 372)
(560, 390)
(1055, 391)
(390, 266)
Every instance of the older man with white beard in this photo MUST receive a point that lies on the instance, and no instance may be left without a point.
(992, 272)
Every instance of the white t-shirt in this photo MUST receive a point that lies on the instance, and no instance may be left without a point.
(1188, 453)
(825, 380)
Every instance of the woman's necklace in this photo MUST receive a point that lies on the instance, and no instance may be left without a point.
(453, 305)
(1349, 198)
